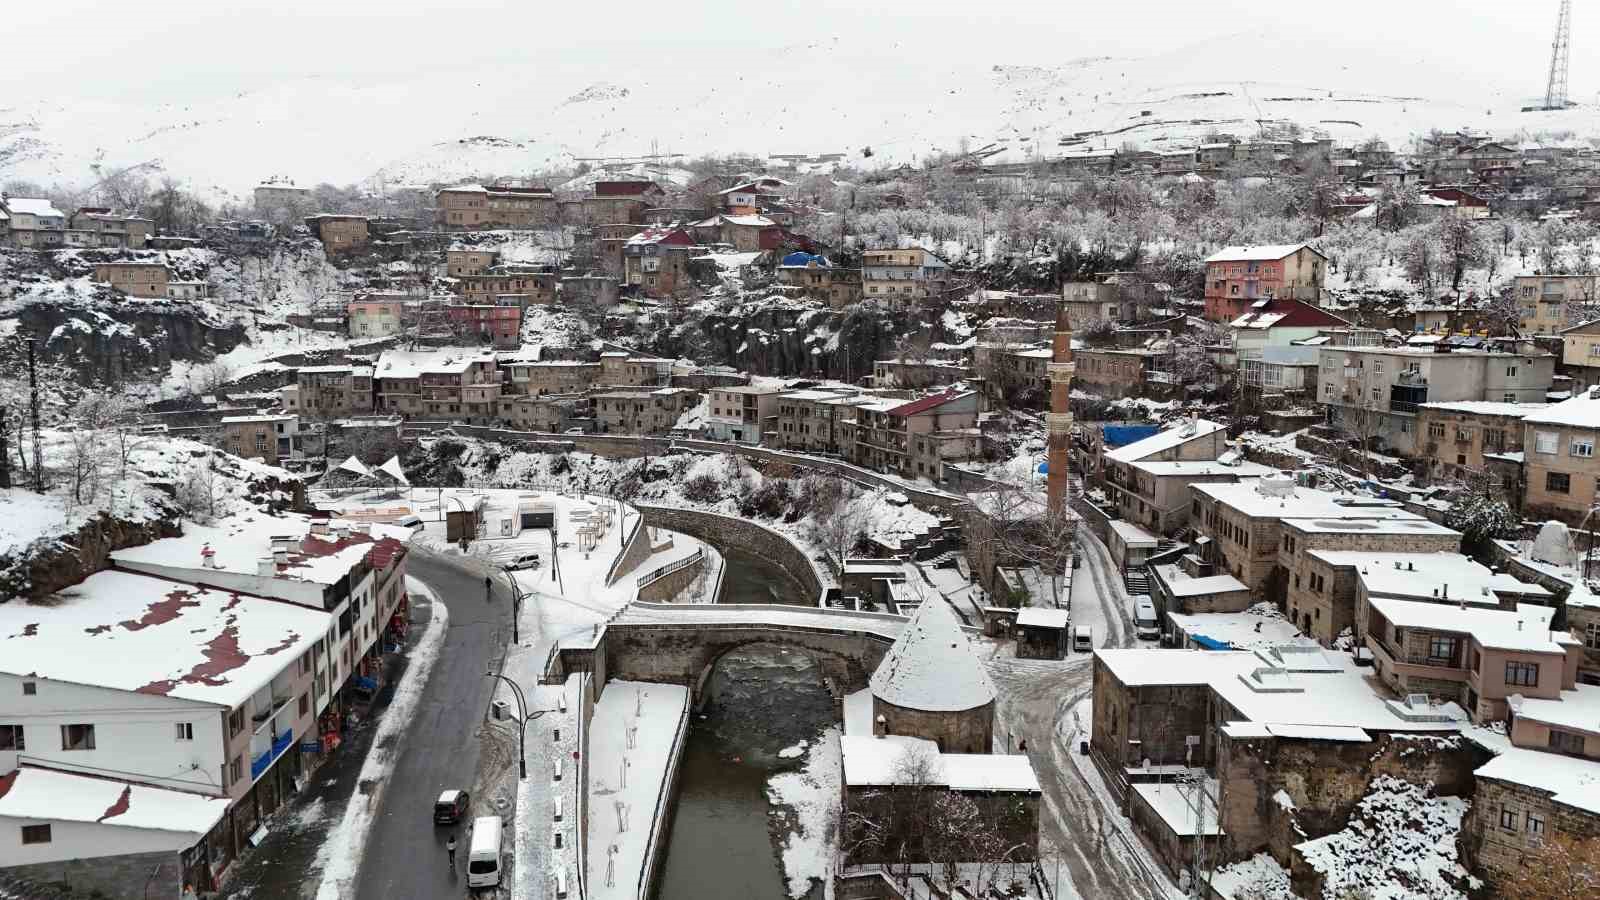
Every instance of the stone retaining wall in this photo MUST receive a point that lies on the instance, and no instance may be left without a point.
(727, 532)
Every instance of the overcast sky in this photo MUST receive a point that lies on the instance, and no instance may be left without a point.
(176, 49)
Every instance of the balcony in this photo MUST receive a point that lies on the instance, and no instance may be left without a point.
(269, 752)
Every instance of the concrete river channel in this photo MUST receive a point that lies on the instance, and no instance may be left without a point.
(758, 700)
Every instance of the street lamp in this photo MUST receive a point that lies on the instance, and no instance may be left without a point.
(516, 602)
(523, 718)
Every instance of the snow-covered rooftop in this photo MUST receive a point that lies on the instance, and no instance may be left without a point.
(931, 666)
(1262, 253)
(1165, 440)
(33, 206)
(239, 543)
(1243, 630)
(1526, 628)
(133, 632)
(1449, 576)
(47, 794)
(1578, 709)
(1039, 617)
(1249, 498)
(1203, 467)
(1179, 805)
(1571, 780)
(1488, 407)
(1182, 585)
(876, 761)
(1582, 411)
(1371, 526)
(412, 363)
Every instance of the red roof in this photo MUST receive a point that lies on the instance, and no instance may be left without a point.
(1297, 315)
(623, 188)
(927, 403)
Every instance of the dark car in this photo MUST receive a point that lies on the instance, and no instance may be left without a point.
(450, 808)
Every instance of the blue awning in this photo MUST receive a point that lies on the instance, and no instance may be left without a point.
(1209, 643)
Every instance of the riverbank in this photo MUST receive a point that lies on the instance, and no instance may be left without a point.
(635, 745)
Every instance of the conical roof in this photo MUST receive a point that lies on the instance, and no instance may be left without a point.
(931, 666)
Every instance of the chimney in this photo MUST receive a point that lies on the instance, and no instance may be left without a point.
(1446, 591)
(319, 526)
(1519, 624)
(208, 557)
(280, 556)
(267, 567)
(1411, 567)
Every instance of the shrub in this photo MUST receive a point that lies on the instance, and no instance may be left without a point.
(702, 489)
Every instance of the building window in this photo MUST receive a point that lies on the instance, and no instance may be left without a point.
(1545, 442)
(1508, 819)
(1584, 448)
(1436, 429)
(185, 731)
(1566, 742)
(1441, 647)
(1557, 482)
(11, 738)
(1591, 635)
(30, 688)
(77, 737)
(1523, 674)
(236, 769)
(305, 704)
(1511, 371)
(235, 721)
(36, 834)
(1535, 824)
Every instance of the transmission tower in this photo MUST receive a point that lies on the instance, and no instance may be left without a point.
(1555, 95)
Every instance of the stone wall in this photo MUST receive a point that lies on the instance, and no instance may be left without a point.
(48, 566)
(1158, 716)
(960, 731)
(1495, 849)
(131, 876)
(727, 532)
(684, 654)
(667, 588)
(1325, 780)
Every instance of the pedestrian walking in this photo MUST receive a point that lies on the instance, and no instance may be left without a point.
(450, 849)
(488, 588)
(1022, 746)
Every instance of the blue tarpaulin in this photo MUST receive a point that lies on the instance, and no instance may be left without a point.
(1044, 468)
(801, 258)
(1210, 643)
(1122, 435)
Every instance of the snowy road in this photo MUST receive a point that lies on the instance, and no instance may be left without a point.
(1080, 848)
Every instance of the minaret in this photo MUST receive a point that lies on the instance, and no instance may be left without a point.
(1058, 421)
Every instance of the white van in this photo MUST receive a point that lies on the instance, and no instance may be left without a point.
(483, 861)
(1083, 639)
(1146, 626)
(412, 522)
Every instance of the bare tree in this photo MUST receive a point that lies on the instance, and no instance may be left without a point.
(838, 520)
(197, 489)
(1564, 868)
(1461, 246)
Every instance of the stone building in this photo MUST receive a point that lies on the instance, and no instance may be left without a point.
(330, 391)
(1321, 591)
(107, 229)
(1560, 465)
(136, 279)
(465, 261)
(932, 686)
(641, 411)
(475, 206)
(340, 234)
(811, 420)
(1459, 438)
(273, 439)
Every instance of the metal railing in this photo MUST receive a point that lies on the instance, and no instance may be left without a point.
(648, 864)
(665, 570)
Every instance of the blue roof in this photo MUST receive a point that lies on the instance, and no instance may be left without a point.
(1123, 435)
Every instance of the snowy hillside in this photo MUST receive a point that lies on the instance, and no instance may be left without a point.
(523, 116)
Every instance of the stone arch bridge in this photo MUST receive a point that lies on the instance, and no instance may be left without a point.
(680, 644)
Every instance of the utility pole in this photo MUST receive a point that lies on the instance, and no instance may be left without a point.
(33, 410)
(5, 454)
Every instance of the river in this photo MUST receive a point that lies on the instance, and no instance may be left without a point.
(758, 700)
(750, 579)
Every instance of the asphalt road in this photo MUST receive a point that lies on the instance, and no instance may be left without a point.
(405, 854)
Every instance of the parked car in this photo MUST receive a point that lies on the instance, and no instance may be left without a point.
(524, 561)
(483, 860)
(450, 808)
(412, 522)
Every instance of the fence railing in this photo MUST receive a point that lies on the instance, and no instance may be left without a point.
(658, 821)
(669, 568)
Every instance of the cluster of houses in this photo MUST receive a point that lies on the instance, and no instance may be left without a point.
(155, 714)
(33, 223)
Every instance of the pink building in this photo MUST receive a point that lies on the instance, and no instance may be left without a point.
(1239, 276)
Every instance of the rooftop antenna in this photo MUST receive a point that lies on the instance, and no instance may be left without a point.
(1555, 96)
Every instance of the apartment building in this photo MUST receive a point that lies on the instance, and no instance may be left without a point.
(810, 421)
(1108, 297)
(454, 382)
(914, 439)
(106, 229)
(743, 413)
(916, 374)
(33, 223)
(655, 411)
(1155, 494)
(339, 233)
(912, 274)
(498, 323)
(1559, 462)
(539, 378)
(273, 439)
(459, 262)
(333, 391)
(1547, 302)
(509, 284)
(656, 260)
(1237, 277)
(473, 206)
(1460, 438)
(1473, 656)
(1241, 525)
(1580, 354)
(1375, 393)
(838, 286)
(610, 241)
(136, 279)
(618, 367)
(621, 201)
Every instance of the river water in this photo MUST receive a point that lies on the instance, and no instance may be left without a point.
(751, 579)
(758, 700)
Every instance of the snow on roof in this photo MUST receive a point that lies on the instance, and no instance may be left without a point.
(1582, 411)
(132, 632)
(1199, 587)
(238, 544)
(1203, 467)
(32, 206)
(876, 761)
(1164, 440)
(466, 189)
(1299, 503)
(1244, 630)
(1369, 526)
(931, 666)
(1428, 575)
(1037, 617)
(1571, 780)
(245, 420)
(413, 363)
(1527, 628)
(1577, 709)
(1176, 804)
(47, 794)
(1488, 407)
(1132, 535)
(1263, 253)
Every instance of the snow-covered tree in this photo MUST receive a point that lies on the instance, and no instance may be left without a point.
(1481, 518)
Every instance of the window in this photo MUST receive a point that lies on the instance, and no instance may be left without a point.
(1566, 742)
(1535, 824)
(1442, 647)
(1509, 398)
(77, 737)
(11, 738)
(235, 721)
(30, 688)
(1524, 674)
(236, 769)
(36, 834)
(1545, 442)
(185, 731)
(1436, 429)
(1591, 635)
(1557, 482)
(1511, 371)
(1508, 819)
(1583, 448)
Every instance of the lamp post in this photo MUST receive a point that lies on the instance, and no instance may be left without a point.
(523, 718)
(516, 602)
